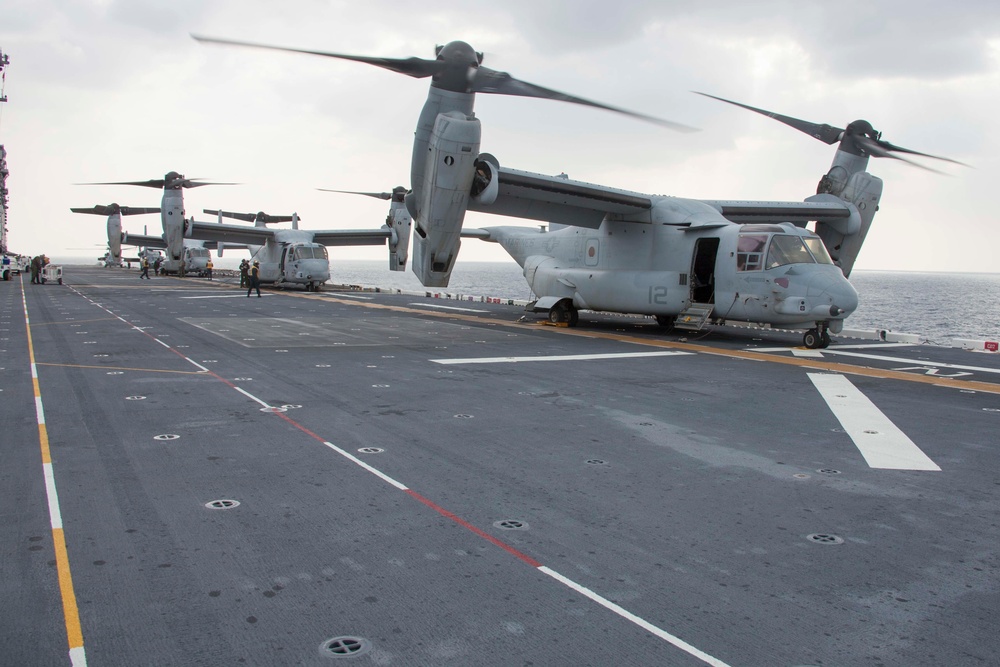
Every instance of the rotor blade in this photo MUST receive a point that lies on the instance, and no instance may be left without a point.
(155, 183)
(264, 217)
(501, 83)
(194, 183)
(96, 210)
(825, 133)
(245, 217)
(416, 67)
(377, 195)
(135, 210)
(899, 149)
(875, 149)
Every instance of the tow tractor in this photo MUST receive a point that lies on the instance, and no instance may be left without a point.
(51, 272)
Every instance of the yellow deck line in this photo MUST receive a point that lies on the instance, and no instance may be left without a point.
(71, 612)
(812, 363)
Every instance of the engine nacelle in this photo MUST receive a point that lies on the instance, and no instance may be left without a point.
(451, 165)
(400, 222)
(115, 235)
(843, 240)
(486, 180)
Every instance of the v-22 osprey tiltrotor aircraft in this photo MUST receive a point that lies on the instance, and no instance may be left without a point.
(113, 257)
(681, 261)
(293, 256)
(174, 223)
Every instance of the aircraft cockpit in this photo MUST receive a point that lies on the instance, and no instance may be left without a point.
(312, 251)
(763, 247)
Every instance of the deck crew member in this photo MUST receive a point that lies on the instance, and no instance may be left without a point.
(254, 279)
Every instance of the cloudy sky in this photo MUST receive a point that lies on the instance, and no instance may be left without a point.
(114, 90)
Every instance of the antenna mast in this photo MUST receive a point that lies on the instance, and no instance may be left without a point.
(4, 61)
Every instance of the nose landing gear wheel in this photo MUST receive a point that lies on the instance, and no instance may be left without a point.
(814, 339)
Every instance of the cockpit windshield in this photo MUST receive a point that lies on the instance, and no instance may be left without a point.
(818, 250)
(786, 249)
(783, 249)
(310, 252)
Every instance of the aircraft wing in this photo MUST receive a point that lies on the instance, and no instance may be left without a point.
(213, 231)
(523, 194)
(143, 240)
(560, 200)
(798, 213)
(338, 237)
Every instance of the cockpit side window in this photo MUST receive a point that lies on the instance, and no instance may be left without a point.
(818, 250)
(787, 249)
(750, 252)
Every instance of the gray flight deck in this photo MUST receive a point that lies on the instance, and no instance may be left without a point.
(454, 486)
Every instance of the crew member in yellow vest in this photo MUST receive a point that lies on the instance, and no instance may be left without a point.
(254, 279)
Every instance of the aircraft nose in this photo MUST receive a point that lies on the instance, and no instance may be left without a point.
(837, 291)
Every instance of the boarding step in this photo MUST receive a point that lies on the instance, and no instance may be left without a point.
(694, 318)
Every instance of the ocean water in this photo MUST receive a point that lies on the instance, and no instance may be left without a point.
(937, 306)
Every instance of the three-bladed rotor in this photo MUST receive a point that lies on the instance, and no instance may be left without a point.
(171, 181)
(111, 209)
(858, 138)
(458, 68)
(260, 216)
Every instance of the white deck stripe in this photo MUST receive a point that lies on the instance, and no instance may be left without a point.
(642, 623)
(367, 467)
(215, 296)
(248, 395)
(55, 516)
(799, 352)
(839, 346)
(567, 357)
(39, 410)
(915, 362)
(434, 305)
(195, 364)
(881, 443)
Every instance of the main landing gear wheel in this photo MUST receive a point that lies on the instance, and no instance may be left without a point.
(814, 339)
(564, 313)
(666, 322)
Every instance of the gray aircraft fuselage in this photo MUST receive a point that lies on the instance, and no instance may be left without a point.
(291, 257)
(662, 268)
